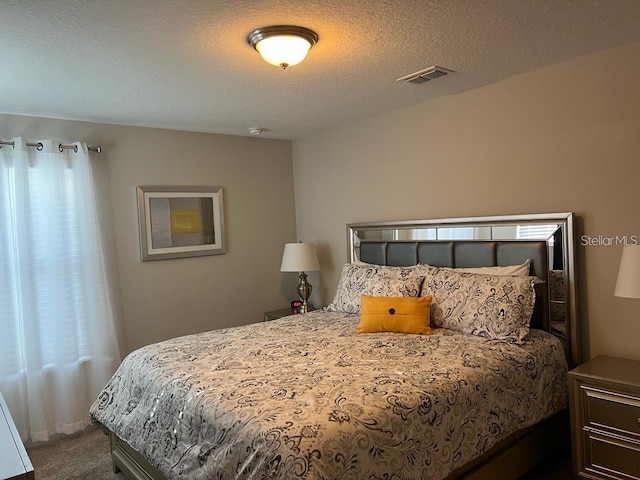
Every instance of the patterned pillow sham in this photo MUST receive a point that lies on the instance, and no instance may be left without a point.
(361, 279)
(492, 306)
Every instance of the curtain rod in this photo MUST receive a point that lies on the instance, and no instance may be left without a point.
(61, 146)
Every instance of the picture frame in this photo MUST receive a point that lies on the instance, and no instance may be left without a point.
(179, 222)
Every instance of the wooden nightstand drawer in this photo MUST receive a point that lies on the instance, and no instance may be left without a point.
(611, 456)
(608, 410)
(605, 407)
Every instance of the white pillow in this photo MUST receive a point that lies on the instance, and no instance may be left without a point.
(516, 270)
(521, 270)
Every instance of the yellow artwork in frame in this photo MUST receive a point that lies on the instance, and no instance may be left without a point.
(178, 222)
(185, 221)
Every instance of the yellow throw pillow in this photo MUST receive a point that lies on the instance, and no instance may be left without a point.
(395, 314)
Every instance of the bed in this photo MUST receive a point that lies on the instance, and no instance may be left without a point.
(307, 396)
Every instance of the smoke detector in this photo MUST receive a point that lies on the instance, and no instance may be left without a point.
(256, 131)
(425, 75)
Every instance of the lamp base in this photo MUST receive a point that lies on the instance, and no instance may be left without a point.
(304, 290)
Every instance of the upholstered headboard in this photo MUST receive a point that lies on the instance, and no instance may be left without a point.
(547, 239)
(466, 253)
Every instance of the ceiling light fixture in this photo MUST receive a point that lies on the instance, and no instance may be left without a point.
(283, 45)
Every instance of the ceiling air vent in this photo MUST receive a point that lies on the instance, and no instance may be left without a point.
(425, 75)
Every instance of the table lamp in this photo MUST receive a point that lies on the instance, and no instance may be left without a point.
(628, 283)
(301, 257)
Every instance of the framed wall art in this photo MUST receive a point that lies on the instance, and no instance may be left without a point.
(177, 222)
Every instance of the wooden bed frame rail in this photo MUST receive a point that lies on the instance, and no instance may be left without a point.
(509, 459)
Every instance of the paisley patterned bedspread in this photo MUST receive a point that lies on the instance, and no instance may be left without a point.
(307, 397)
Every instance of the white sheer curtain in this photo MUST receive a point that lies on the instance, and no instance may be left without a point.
(58, 342)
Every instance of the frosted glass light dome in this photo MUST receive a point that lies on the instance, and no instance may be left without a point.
(283, 45)
(283, 51)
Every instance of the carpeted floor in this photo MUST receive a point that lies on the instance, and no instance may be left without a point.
(81, 456)
(85, 456)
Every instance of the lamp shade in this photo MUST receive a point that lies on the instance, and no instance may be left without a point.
(299, 257)
(628, 284)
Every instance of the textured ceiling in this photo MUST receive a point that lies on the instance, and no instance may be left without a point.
(186, 64)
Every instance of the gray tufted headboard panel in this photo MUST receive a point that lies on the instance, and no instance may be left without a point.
(469, 253)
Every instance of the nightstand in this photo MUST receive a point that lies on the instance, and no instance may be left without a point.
(604, 396)
(275, 314)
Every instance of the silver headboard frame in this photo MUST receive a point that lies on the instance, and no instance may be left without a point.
(557, 229)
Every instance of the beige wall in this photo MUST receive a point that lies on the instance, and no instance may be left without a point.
(167, 298)
(564, 138)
